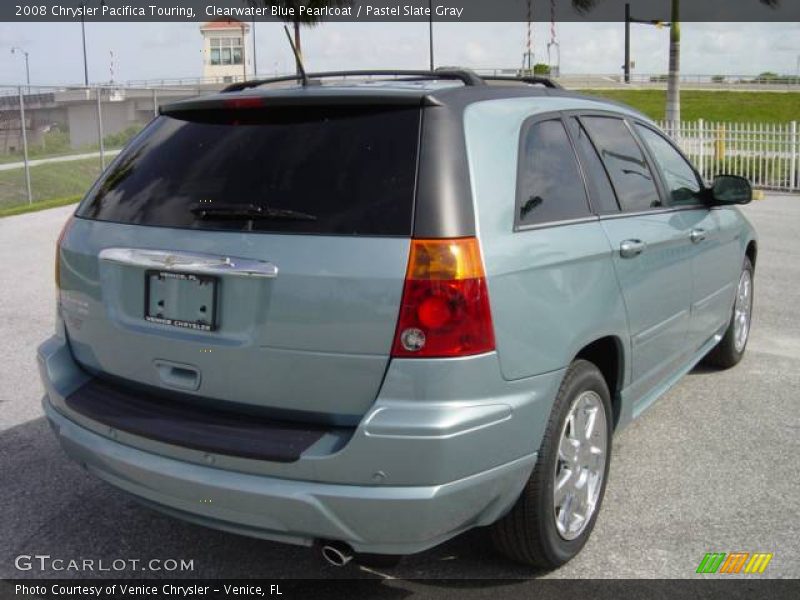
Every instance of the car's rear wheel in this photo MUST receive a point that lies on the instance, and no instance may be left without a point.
(730, 349)
(553, 518)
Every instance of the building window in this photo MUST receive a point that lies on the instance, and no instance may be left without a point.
(226, 51)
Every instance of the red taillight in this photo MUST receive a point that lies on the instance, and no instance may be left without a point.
(61, 236)
(237, 103)
(445, 307)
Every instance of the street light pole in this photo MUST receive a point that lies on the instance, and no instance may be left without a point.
(27, 73)
(27, 65)
(83, 35)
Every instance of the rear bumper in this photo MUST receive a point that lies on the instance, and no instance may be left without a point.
(379, 519)
(447, 445)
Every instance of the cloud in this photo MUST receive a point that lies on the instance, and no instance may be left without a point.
(475, 53)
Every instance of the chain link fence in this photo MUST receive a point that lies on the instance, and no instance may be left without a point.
(55, 141)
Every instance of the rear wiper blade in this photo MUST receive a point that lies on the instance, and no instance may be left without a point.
(249, 211)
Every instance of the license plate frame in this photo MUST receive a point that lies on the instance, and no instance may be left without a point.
(179, 287)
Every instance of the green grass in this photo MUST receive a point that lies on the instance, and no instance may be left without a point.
(43, 205)
(48, 182)
(752, 107)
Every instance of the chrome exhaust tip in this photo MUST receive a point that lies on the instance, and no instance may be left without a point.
(337, 554)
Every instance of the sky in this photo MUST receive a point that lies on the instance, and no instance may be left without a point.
(172, 50)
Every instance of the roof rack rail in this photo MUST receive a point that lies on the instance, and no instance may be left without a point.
(468, 78)
(530, 79)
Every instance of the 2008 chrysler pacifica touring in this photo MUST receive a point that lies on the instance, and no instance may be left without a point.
(372, 313)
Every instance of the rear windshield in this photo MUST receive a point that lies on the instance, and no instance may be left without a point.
(335, 170)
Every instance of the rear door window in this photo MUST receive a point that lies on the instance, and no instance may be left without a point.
(550, 186)
(625, 162)
(602, 194)
(333, 170)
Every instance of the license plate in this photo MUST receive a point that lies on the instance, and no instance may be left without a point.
(181, 300)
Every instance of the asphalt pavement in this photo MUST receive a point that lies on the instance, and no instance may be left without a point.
(710, 468)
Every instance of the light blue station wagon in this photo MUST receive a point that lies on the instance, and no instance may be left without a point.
(369, 314)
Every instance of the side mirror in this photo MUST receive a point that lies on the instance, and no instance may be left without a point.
(730, 189)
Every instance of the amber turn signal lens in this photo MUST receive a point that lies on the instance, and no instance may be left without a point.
(453, 259)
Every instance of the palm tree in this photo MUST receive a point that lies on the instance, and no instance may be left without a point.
(305, 19)
(673, 112)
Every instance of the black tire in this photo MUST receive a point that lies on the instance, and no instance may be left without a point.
(725, 355)
(528, 533)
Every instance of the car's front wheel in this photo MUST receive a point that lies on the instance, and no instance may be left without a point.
(730, 349)
(554, 516)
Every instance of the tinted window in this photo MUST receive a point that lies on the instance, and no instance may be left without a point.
(681, 180)
(632, 179)
(347, 171)
(550, 184)
(600, 190)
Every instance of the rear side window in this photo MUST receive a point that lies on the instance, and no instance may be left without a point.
(600, 190)
(625, 163)
(334, 170)
(550, 185)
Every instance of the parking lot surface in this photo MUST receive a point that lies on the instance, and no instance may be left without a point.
(710, 468)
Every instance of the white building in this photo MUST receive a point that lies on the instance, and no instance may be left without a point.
(226, 55)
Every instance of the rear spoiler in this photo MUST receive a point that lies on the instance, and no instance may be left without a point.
(294, 97)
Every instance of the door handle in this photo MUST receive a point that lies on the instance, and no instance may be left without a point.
(697, 235)
(631, 248)
(185, 377)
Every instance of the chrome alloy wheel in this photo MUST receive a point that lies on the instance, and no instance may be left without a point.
(581, 463)
(742, 309)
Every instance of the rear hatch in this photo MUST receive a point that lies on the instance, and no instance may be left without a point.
(250, 255)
